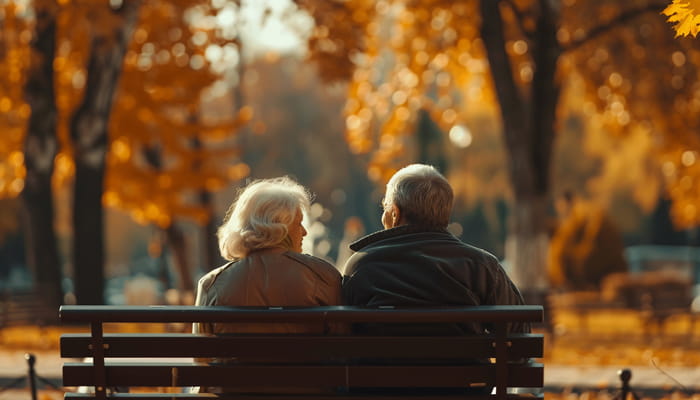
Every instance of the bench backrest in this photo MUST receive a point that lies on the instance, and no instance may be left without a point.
(301, 362)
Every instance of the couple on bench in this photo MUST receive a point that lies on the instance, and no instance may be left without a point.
(413, 262)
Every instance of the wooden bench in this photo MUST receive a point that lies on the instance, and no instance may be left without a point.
(351, 365)
(25, 307)
(653, 296)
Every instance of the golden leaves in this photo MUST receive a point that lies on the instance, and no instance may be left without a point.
(64, 170)
(414, 56)
(339, 34)
(685, 14)
(164, 153)
(626, 164)
(164, 77)
(12, 174)
(641, 78)
(15, 35)
(681, 169)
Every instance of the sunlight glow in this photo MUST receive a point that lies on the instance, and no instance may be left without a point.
(284, 29)
(688, 158)
(460, 136)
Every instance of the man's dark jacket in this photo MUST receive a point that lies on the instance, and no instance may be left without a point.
(409, 266)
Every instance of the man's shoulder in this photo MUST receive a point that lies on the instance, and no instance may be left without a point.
(484, 255)
(421, 248)
(401, 236)
(425, 241)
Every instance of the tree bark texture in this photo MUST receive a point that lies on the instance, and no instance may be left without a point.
(528, 123)
(210, 245)
(40, 148)
(90, 140)
(176, 243)
(527, 245)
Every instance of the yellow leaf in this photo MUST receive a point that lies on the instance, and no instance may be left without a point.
(684, 27)
(684, 14)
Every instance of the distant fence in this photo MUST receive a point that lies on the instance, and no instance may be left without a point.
(682, 259)
(25, 307)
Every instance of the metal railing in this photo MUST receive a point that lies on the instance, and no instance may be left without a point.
(30, 379)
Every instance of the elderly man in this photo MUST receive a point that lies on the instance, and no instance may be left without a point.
(416, 262)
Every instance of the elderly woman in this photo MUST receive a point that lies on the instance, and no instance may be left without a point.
(261, 236)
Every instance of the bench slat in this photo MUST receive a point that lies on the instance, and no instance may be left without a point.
(87, 313)
(300, 347)
(192, 374)
(339, 396)
(302, 361)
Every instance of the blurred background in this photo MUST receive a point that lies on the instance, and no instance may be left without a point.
(128, 125)
(568, 129)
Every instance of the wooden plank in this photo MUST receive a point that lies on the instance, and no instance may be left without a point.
(87, 313)
(191, 374)
(301, 347)
(317, 358)
(263, 396)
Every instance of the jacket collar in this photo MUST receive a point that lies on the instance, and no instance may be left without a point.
(269, 250)
(365, 241)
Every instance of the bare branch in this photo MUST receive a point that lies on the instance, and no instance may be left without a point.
(613, 23)
(520, 16)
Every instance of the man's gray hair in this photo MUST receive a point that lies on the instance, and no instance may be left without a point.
(422, 195)
(261, 216)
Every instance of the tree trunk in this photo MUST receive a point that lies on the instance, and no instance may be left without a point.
(527, 245)
(176, 243)
(210, 244)
(212, 256)
(89, 135)
(40, 148)
(528, 125)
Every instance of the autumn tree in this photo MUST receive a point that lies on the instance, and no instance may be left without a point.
(93, 50)
(15, 51)
(165, 156)
(32, 167)
(643, 84)
(82, 44)
(449, 56)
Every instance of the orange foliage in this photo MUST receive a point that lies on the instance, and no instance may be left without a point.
(644, 86)
(338, 36)
(15, 36)
(161, 153)
(414, 55)
(641, 86)
(167, 70)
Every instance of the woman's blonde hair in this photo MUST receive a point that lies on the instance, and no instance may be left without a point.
(260, 216)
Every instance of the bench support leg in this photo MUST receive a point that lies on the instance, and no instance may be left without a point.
(98, 361)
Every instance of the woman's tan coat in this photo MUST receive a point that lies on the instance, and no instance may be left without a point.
(269, 277)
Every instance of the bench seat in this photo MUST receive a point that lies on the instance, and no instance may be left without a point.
(338, 366)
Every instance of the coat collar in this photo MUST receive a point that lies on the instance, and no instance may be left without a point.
(365, 241)
(268, 250)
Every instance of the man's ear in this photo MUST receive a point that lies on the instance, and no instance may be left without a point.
(395, 215)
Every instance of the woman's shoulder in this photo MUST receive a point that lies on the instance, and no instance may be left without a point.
(219, 270)
(208, 279)
(311, 261)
